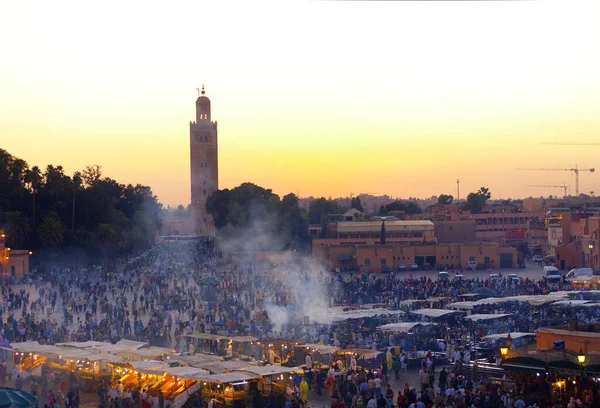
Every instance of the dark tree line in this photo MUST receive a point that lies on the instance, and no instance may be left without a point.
(84, 216)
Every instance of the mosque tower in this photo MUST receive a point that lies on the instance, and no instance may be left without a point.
(204, 165)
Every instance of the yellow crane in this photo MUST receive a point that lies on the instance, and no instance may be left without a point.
(575, 171)
(564, 187)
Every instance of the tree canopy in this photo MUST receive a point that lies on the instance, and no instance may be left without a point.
(49, 211)
(445, 199)
(409, 207)
(251, 217)
(476, 201)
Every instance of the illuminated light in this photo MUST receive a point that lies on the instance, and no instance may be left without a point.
(504, 351)
(30, 253)
(537, 374)
(581, 356)
(574, 382)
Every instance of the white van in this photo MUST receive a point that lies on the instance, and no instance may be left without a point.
(577, 272)
(552, 274)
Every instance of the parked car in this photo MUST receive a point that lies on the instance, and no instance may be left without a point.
(402, 267)
(471, 266)
(443, 276)
(386, 269)
(459, 277)
(426, 267)
(513, 277)
(537, 258)
(441, 267)
(494, 276)
(414, 267)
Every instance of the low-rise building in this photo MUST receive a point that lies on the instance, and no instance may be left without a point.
(13, 262)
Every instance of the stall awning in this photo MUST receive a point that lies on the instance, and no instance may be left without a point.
(82, 344)
(182, 372)
(131, 344)
(226, 378)
(341, 315)
(403, 327)
(224, 366)
(272, 370)
(150, 366)
(487, 316)
(321, 348)
(433, 312)
(515, 335)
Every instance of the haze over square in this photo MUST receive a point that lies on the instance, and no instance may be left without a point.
(317, 98)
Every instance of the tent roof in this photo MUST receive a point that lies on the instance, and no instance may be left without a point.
(403, 327)
(321, 348)
(131, 344)
(338, 316)
(487, 316)
(433, 312)
(571, 302)
(235, 376)
(82, 344)
(515, 335)
(271, 370)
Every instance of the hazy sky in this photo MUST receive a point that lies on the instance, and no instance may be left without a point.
(318, 98)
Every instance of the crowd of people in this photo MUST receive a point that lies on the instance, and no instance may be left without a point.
(173, 290)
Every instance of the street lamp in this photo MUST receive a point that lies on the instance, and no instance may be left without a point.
(504, 350)
(581, 357)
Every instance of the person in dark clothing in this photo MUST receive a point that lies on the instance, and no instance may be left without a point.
(381, 402)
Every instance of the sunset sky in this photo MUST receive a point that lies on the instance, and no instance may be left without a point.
(312, 97)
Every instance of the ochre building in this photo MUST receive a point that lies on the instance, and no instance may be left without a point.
(359, 245)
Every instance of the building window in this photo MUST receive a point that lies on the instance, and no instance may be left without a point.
(204, 192)
(383, 263)
(486, 260)
(472, 258)
(367, 262)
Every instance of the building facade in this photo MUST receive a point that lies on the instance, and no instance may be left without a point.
(204, 165)
(359, 245)
(13, 262)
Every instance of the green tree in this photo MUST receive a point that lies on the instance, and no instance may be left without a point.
(357, 205)
(33, 179)
(51, 231)
(17, 228)
(445, 199)
(476, 201)
(319, 210)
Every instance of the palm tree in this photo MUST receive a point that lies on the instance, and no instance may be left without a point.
(33, 178)
(76, 187)
(17, 228)
(51, 231)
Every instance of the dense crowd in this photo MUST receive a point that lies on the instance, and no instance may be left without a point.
(171, 291)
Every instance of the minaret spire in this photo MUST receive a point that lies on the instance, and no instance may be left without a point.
(203, 89)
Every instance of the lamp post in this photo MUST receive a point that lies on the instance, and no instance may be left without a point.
(581, 357)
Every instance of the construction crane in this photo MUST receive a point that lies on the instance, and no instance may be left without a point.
(575, 171)
(564, 187)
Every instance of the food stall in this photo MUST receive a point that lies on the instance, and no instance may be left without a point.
(275, 378)
(242, 346)
(365, 358)
(225, 388)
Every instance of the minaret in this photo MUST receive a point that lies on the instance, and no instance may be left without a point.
(204, 165)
